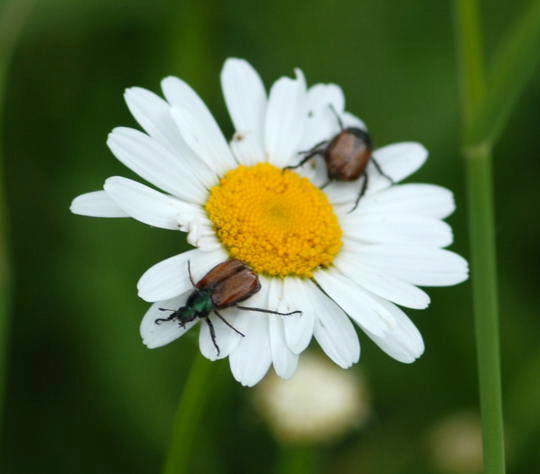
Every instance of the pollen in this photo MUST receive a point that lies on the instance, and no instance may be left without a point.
(276, 221)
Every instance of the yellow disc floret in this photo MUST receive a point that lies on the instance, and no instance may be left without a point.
(276, 221)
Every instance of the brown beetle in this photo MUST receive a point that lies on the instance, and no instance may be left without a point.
(225, 285)
(346, 155)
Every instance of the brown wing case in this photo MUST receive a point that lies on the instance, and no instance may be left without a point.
(347, 157)
(221, 272)
(236, 288)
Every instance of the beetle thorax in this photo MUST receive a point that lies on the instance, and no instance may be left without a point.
(200, 301)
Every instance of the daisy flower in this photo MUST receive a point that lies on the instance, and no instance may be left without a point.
(235, 200)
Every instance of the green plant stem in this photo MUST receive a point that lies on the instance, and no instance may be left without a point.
(188, 416)
(471, 61)
(298, 460)
(12, 18)
(484, 280)
(482, 235)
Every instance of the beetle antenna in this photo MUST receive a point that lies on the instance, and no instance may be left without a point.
(269, 311)
(170, 318)
(229, 324)
(212, 334)
(189, 272)
(338, 118)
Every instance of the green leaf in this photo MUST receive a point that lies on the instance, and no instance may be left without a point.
(512, 68)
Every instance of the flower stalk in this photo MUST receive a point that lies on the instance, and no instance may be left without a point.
(482, 238)
(298, 460)
(485, 110)
(485, 295)
(188, 416)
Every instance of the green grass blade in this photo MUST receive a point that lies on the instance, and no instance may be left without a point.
(513, 66)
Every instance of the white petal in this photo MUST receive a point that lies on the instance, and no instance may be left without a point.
(197, 125)
(322, 123)
(321, 97)
(205, 140)
(204, 241)
(350, 120)
(226, 338)
(415, 264)
(399, 338)
(96, 204)
(360, 306)
(251, 359)
(201, 234)
(153, 114)
(397, 228)
(381, 284)
(155, 163)
(246, 100)
(170, 277)
(285, 119)
(343, 194)
(398, 161)
(422, 199)
(298, 328)
(147, 205)
(333, 330)
(157, 335)
(285, 361)
(403, 342)
(246, 148)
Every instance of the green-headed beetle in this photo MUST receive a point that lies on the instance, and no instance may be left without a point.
(225, 285)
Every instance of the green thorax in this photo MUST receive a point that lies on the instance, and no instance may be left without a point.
(201, 302)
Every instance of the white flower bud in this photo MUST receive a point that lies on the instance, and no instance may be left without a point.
(456, 444)
(320, 403)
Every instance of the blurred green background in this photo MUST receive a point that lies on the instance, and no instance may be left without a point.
(84, 395)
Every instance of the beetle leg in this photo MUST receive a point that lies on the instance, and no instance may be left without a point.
(361, 193)
(310, 154)
(326, 184)
(229, 324)
(315, 147)
(381, 172)
(212, 333)
(269, 311)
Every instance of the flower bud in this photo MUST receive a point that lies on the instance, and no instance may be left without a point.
(320, 403)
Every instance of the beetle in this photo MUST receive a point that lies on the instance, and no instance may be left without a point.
(225, 285)
(346, 155)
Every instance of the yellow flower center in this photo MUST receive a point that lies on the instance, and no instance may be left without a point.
(276, 221)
